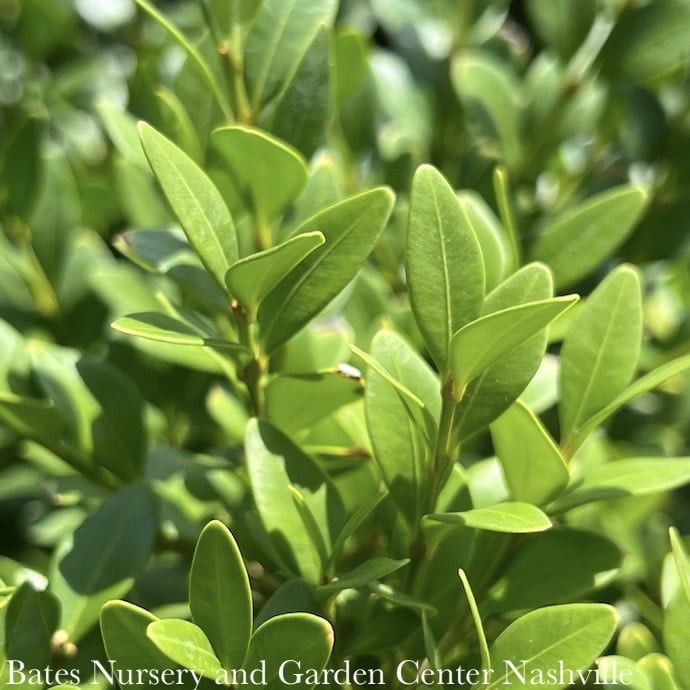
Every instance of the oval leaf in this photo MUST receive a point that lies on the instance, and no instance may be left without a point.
(511, 517)
(195, 201)
(364, 573)
(219, 594)
(443, 263)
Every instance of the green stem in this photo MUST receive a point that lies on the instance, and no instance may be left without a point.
(255, 371)
(505, 209)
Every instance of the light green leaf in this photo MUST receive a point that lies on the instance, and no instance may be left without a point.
(115, 541)
(252, 278)
(644, 384)
(219, 594)
(532, 463)
(30, 417)
(401, 421)
(490, 94)
(482, 343)
(177, 124)
(167, 329)
(659, 670)
(511, 517)
(223, 16)
(576, 241)
(122, 130)
(195, 201)
(186, 645)
(573, 635)
(676, 636)
(682, 561)
(601, 349)
(553, 567)
(493, 391)
(627, 477)
(260, 173)
(274, 464)
(400, 598)
(364, 573)
(277, 42)
(443, 263)
(351, 229)
(302, 637)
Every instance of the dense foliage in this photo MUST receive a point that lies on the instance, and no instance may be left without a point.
(348, 336)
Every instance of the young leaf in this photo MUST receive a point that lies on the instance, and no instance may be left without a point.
(477, 619)
(576, 241)
(493, 391)
(186, 645)
(252, 278)
(551, 568)
(261, 174)
(443, 263)
(115, 541)
(534, 467)
(481, 343)
(364, 573)
(512, 517)
(288, 638)
(351, 229)
(572, 635)
(601, 349)
(195, 201)
(627, 477)
(219, 594)
(311, 526)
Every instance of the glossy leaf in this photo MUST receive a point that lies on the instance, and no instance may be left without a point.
(626, 477)
(261, 174)
(493, 391)
(186, 645)
(443, 263)
(573, 635)
(512, 517)
(482, 343)
(351, 229)
(298, 636)
(553, 567)
(533, 465)
(252, 278)
(401, 420)
(274, 463)
(576, 241)
(115, 540)
(219, 594)
(601, 349)
(195, 201)
(364, 573)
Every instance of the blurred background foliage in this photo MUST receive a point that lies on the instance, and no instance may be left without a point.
(570, 99)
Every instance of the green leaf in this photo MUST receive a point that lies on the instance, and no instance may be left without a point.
(401, 420)
(274, 463)
(560, 24)
(298, 638)
(277, 42)
(311, 526)
(115, 541)
(676, 636)
(648, 43)
(573, 635)
(512, 517)
(154, 250)
(297, 401)
(659, 670)
(301, 115)
(177, 124)
(219, 594)
(29, 417)
(490, 235)
(490, 94)
(223, 16)
(682, 561)
(364, 573)
(492, 392)
(260, 173)
(644, 384)
(482, 343)
(122, 130)
(578, 240)
(252, 278)
(195, 201)
(601, 349)
(351, 229)
(30, 619)
(123, 626)
(186, 645)
(627, 477)
(443, 263)
(553, 567)
(532, 463)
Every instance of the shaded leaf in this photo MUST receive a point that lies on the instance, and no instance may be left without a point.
(364, 573)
